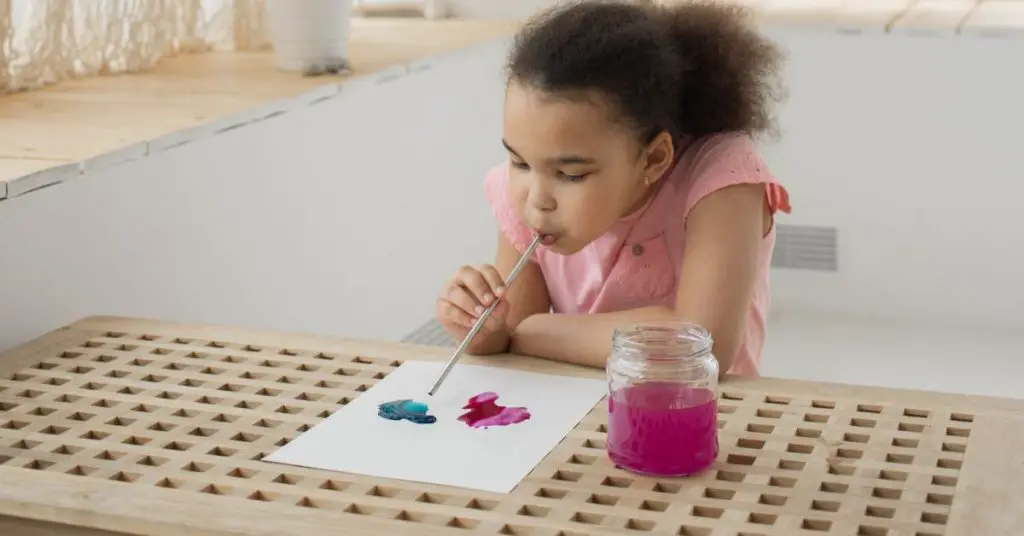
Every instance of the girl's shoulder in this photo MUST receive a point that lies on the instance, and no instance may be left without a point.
(718, 161)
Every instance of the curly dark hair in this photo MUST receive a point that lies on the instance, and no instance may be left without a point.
(692, 68)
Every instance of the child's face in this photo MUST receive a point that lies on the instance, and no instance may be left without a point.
(574, 171)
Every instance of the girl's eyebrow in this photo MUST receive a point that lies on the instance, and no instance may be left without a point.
(568, 159)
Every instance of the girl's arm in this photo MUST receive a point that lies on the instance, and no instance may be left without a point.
(717, 281)
(528, 295)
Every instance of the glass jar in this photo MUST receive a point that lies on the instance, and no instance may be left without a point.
(663, 399)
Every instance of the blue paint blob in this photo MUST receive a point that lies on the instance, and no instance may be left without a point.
(409, 410)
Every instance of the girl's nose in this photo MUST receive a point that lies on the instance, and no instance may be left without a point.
(541, 201)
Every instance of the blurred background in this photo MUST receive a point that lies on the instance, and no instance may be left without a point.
(318, 166)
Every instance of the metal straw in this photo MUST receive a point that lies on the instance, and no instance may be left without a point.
(483, 317)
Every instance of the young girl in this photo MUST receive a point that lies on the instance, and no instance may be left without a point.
(628, 129)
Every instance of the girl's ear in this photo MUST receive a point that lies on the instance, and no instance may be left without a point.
(659, 155)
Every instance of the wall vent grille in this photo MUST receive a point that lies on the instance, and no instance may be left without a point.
(805, 247)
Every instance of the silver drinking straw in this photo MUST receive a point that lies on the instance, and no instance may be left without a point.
(483, 317)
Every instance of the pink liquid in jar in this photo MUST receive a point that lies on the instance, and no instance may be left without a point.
(663, 429)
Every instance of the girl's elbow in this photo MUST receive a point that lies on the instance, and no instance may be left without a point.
(725, 355)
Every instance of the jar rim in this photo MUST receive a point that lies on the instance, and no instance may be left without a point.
(696, 337)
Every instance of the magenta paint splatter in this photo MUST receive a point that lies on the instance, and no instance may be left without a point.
(485, 412)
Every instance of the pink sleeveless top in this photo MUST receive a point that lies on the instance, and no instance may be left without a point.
(637, 263)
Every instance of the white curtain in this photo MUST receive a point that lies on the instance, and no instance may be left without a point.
(46, 41)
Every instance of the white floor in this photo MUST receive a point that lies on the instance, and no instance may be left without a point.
(866, 353)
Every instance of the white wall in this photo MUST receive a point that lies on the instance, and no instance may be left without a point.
(346, 217)
(912, 148)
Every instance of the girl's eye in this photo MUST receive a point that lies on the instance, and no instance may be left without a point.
(575, 178)
(519, 165)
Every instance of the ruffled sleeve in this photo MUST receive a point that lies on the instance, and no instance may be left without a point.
(725, 160)
(497, 191)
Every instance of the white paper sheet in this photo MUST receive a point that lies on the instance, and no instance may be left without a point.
(447, 452)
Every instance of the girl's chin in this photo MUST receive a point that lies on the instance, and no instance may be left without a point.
(562, 246)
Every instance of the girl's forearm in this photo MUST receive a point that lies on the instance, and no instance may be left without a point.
(488, 343)
(578, 338)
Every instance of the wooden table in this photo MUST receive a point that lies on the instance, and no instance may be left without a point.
(123, 426)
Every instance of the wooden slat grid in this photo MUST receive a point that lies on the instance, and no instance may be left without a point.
(196, 415)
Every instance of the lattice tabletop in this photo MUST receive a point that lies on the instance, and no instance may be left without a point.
(140, 427)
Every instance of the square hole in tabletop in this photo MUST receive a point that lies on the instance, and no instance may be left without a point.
(136, 440)
(8, 406)
(781, 482)
(772, 500)
(617, 482)
(530, 510)
(851, 437)
(180, 446)
(248, 404)
(861, 422)
(605, 500)
(729, 476)
(869, 408)
(762, 519)
(81, 470)
(768, 413)
(25, 444)
(160, 426)
(899, 458)
(38, 465)
(819, 525)
(887, 493)
(905, 442)
(719, 493)
(746, 443)
(109, 456)
(642, 525)
(760, 428)
(834, 487)
(667, 487)
(791, 465)
(880, 511)
(709, 512)
(152, 461)
(825, 506)
(224, 452)
(800, 448)
(120, 421)
(740, 459)
(54, 430)
(67, 450)
(587, 518)
(910, 427)
(196, 467)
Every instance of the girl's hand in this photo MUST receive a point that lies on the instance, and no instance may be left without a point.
(463, 301)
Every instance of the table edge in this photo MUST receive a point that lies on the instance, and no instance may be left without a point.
(97, 325)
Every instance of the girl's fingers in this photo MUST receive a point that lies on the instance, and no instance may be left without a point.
(451, 313)
(460, 297)
(497, 320)
(494, 279)
(474, 281)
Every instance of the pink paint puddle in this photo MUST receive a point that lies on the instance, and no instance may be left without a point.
(484, 412)
(663, 429)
